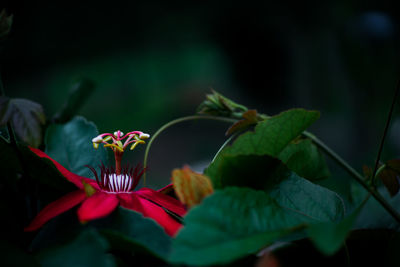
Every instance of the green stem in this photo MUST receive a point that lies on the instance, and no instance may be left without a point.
(176, 121)
(385, 131)
(224, 145)
(346, 250)
(353, 173)
(380, 169)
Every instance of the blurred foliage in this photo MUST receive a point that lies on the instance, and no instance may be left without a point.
(5, 23)
(27, 118)
(152, 62)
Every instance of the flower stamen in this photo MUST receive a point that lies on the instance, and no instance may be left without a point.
(111, 182)
(118, 147)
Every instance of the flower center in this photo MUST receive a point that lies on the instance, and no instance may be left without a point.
(118, 183)
(124, 182)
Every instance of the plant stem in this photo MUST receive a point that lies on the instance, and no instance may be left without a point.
(224, 145)
(176, 121)
(118, 159)
(386, 130)
(380, 169)
(358, 177)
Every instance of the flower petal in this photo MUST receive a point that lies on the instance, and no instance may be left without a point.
(149, 209)
(72, 177)
(97, 206)
(163, 200)
(56, 208)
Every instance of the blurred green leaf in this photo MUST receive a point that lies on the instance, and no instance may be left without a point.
(88, 249)
(70, 144)
(329, 237)
(130, 231)
(231, 224)
(304, 158)
(272, 135)
(5, 23)
(27, 118)
(78, 95)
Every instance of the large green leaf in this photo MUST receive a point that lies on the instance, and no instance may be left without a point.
(27, 118)
(286, 187)
(272, 135)
(127, 230)
(304, 158)
(88, 249)
(70, 144)
(242, 170)
(297, 193)
(231, 224)
(329, 237)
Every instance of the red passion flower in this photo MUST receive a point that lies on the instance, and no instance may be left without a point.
(112, 187)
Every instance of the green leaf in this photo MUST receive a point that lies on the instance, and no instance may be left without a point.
(78, 95)
(272, 135)
(88, 249)
(286, 187)
(128, 230)
(304, 158)
(317, 202)
(329, 237)
(70, 144)
(27, 118)
(243, 170)
(231, 224)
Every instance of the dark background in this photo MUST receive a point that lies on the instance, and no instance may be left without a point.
(155, 61)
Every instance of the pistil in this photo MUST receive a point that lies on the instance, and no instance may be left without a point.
(133, 139)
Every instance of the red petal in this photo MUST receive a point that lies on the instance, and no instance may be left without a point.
(97, 206)
(72, 177)
(149, 209)
(56, 208)
(167, 202)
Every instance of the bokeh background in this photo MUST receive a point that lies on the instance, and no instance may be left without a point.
(154, 61)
